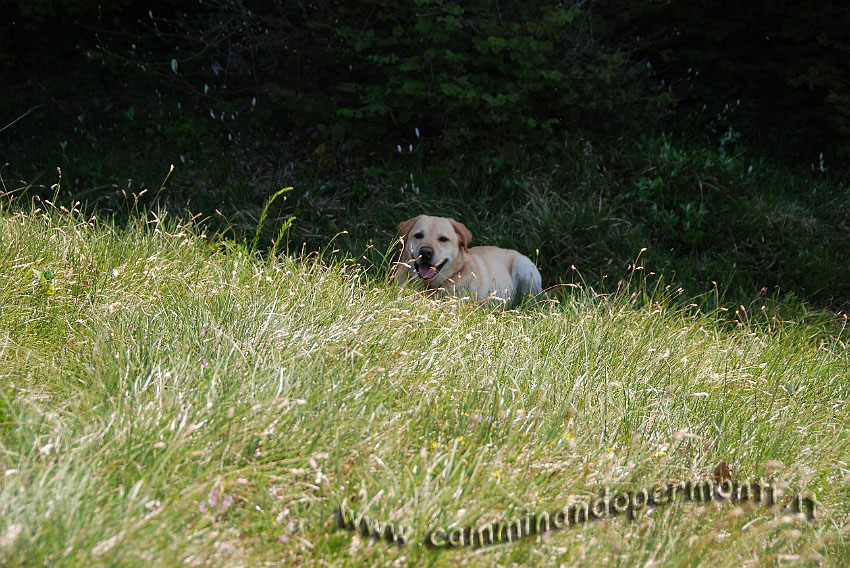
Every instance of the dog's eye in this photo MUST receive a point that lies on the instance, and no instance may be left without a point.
(444, 239)
(418, 236)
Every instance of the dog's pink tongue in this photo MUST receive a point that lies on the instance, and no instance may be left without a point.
(427, 272)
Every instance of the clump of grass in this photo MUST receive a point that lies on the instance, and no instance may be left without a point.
(283, 227)
(177, 400)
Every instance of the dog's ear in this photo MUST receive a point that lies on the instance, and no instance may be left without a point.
(405, 226)
(462, 232)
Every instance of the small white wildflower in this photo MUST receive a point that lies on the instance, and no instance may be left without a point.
(417, 132)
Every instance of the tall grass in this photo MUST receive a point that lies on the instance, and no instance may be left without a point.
(164, 398)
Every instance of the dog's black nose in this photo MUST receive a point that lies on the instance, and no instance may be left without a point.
(426, 253)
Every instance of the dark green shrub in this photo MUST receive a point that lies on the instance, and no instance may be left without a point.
(491, 82)
(500, 80)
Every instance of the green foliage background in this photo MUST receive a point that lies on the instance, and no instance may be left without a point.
(499, 79)
(715, 135)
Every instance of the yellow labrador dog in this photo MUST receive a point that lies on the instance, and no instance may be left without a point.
(436, 255)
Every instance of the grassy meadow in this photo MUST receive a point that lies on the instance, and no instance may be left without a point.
(167, 397)
(198, 368)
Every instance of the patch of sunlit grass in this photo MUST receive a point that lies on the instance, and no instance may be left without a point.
(167, 399)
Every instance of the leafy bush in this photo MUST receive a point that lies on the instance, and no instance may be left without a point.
(497, 83)
(511, 81)
(678, 188)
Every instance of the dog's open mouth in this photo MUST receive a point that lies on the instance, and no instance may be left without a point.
(428, 271)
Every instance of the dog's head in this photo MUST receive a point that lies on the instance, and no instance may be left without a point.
(432, 247)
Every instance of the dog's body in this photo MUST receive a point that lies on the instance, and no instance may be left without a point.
(436, 255)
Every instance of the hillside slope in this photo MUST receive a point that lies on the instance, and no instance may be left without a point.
(167, 398)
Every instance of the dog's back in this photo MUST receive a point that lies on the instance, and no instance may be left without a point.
(505, 273)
